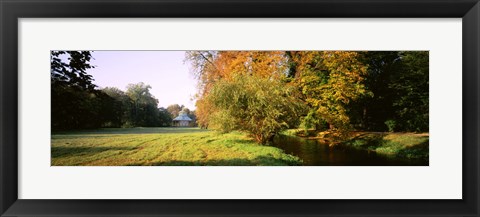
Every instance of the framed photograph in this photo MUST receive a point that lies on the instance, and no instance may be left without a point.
(252, 108)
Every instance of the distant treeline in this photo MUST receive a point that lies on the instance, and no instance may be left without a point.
(77, 103)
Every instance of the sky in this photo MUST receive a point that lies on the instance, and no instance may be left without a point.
(164, 71)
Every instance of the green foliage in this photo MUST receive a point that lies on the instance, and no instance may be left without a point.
(391, 125)
(69, 68)
(135, 108)
(144, 110)
(312, 121)
(120, 107)
(75, 101)
(260, 106)
(398, 81)
(74, 108)
(165, 118)
(411, 91)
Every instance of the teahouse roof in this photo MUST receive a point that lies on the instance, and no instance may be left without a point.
(182, 117)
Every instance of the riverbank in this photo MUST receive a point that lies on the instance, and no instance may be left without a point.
(400, 145)
(403, 145)
(163, 147)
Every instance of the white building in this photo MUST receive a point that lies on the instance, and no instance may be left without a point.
(182, 120)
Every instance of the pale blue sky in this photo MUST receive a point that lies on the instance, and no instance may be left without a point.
(170, 78)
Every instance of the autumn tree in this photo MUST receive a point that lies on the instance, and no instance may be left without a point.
(226, 69)
(204, 66)
(212, 66)
(344, 90)
(329, 81)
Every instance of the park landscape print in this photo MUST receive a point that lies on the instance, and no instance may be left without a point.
(239, 108)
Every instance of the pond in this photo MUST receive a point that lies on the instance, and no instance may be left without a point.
(317, 153)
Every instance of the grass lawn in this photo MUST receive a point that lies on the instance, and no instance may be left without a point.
(162, 146)
(405, 145)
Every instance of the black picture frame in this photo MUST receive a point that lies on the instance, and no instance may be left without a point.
(12, 10)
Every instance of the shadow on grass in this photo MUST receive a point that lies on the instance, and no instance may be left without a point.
(420, 150)
(63, 151)
(258, 161)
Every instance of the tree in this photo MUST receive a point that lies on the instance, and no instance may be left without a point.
(120, 108)
(410, 88)
(257, 105)
(211, 67)
(141, 110)
(145, 111)
(70, 68)
(165, 118)
(175, 109)
(398, 81)
(203, 112)
(193, 116)
(329, 81)
(343, 90)
(76, 104)
(382, 66)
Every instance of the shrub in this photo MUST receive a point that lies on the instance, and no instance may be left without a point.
(391, 124)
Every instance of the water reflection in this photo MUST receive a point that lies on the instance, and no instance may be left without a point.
(316, 153)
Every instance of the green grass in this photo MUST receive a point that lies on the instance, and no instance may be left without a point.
(162, 146)
(405, 145)
(292, 132)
